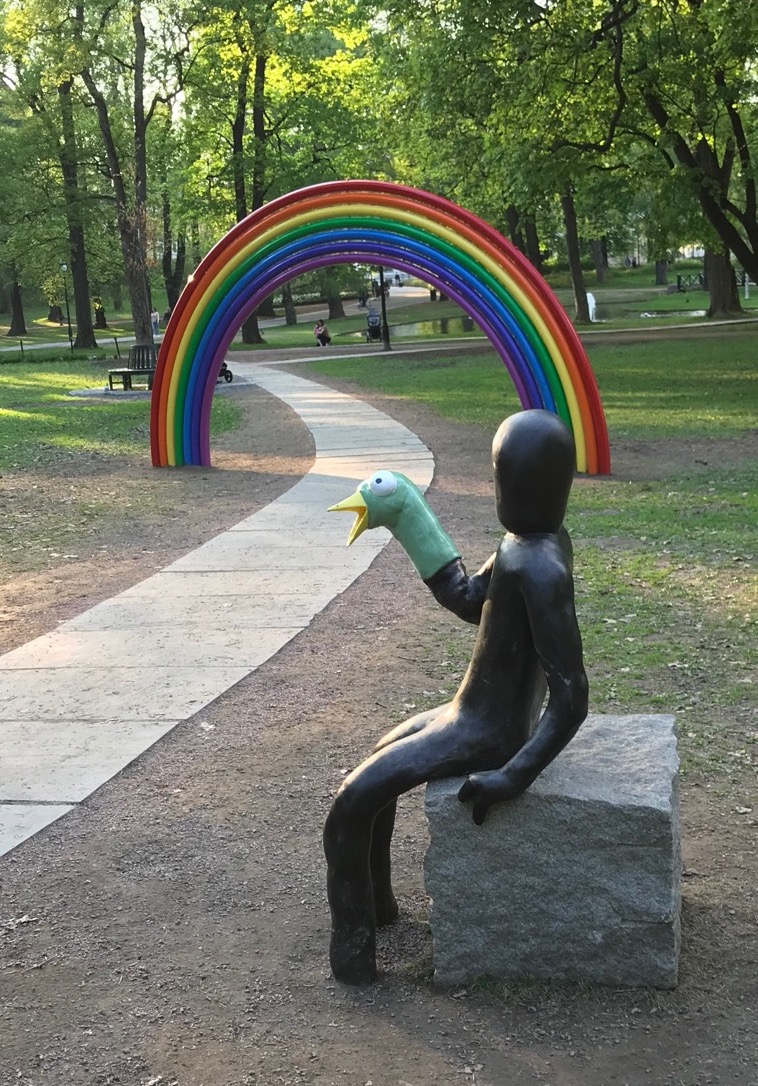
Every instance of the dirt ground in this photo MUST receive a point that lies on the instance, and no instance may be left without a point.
(173, 929)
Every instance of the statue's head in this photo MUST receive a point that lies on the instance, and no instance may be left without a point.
(533, 458)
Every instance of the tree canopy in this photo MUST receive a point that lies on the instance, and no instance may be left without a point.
(133, 134)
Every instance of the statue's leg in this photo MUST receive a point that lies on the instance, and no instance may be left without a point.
(385, 905)
(408, 727)
(352, 949)
(348, 833)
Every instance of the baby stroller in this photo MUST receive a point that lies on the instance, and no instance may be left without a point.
(225, 374)
(373, 328)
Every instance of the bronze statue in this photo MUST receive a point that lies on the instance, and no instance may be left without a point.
(494, 730)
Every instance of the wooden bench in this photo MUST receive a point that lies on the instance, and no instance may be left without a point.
(141, 365)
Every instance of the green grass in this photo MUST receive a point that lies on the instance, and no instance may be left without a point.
(669, 616)
(664, 389)
(42, 426)
(624, 310)
(627, 294)
(40, 330)
(678, 387)
(620, 278)
(352, 329)
(666, 587)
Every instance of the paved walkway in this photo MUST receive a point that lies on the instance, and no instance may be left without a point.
(79, 704)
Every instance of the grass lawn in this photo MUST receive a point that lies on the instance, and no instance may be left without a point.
(41, 425)
(666, 587)
(40, 330)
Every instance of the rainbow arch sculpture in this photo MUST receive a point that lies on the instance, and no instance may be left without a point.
(372, 222)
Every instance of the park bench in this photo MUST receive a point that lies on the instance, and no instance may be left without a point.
(141, 365)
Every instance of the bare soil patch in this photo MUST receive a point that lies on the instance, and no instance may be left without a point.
(153, 517)
(174, 928)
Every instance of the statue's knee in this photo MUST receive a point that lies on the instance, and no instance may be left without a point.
(354, 808)
(345, 806)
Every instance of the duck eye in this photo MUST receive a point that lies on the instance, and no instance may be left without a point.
(382, 484)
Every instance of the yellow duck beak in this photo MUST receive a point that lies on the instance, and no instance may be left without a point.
(353, 504)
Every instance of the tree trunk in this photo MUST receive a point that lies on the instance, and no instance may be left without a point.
(290, 313)
(143, 331)
(132, 246)
(18, 323)
(512, 219)
(136, 282)
(238, 141)
(574, 259)
(723, 297)
(661, 272)
(601, 269)
(532, 243)
(712, 180)
(172, 268)
(250, 331)
(68, 157)
(195, 241)
(266, 308)
(331, 290)
(118, 300)
(130, 212)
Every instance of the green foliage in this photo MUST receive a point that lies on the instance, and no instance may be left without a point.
(645, 111)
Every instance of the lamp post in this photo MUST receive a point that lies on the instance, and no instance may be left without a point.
(385, 326)
(64, 269)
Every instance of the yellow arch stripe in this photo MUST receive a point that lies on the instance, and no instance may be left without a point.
(428, 225)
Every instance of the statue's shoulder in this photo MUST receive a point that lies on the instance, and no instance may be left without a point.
(538, 559)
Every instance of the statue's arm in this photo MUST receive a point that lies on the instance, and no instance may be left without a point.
(550, 607)
(460, 593)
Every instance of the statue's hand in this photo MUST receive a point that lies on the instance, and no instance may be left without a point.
(487, 788)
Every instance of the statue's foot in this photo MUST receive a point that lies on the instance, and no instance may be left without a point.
(353, 956)
(385, 909)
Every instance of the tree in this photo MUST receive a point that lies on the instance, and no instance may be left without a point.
(69, 160)
(116, 63)
(40, 82)
(299, 110)
(703, 52)
(677, 76)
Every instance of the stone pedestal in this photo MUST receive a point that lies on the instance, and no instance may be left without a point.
(578, 879)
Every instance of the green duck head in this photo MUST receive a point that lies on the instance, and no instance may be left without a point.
(388, 499)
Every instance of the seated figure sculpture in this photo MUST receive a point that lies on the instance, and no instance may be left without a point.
(495, 730)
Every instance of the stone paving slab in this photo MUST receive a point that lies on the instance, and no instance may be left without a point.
(265, 551)
(71, 760)
(199, 645)
(233, 612)
(299, 583)
(19, 821)
(80, 703)
(292, 520)
(121, 693)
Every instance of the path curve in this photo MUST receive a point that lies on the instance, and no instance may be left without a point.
(79, 704)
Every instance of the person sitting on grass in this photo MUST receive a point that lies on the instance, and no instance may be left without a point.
(321, 332)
